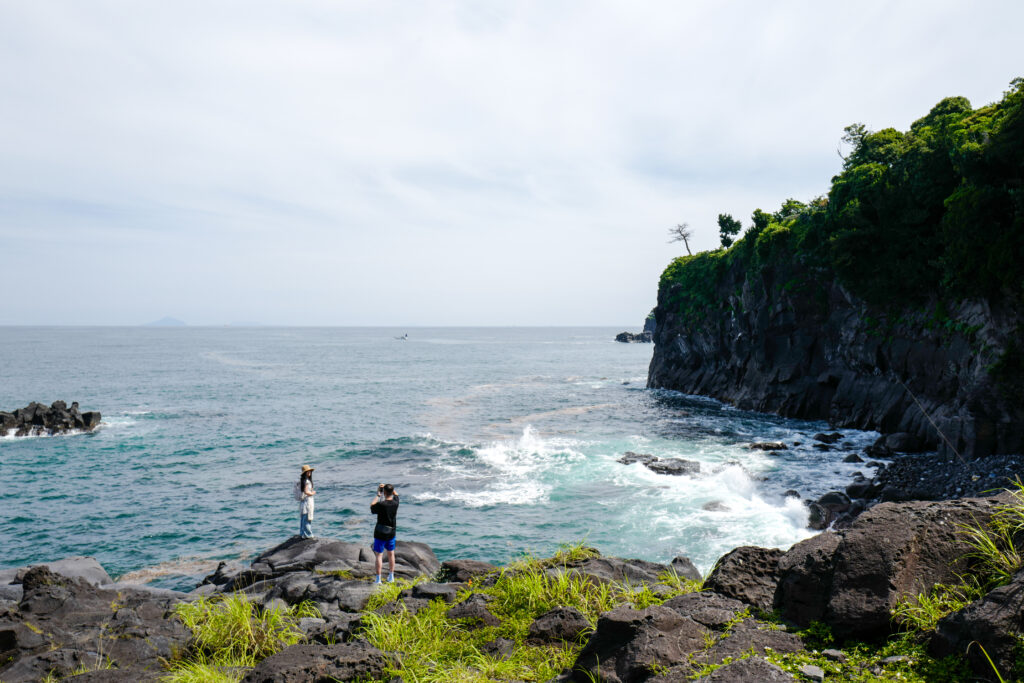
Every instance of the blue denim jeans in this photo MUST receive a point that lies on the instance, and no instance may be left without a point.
(305, 527)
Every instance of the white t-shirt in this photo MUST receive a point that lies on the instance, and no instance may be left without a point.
(306, 506)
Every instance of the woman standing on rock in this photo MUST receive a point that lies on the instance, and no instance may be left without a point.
(304, 493)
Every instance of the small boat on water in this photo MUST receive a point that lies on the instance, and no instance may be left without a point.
(404, 337)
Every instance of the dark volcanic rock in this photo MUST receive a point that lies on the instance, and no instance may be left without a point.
(434, 591)
(62, 624)
(767, 446)
(805, 579)
(36, 418)
(683, 567)
(749, 636)
(628, 642)
(560, 624)
(895, 549)
(614, 569)
(629, 337)
(329, 555)
(474, 610)
(815, 352)
(750, 670)
(353, 661)
(707, 608)
(748, 574)
(675, 466)
(991, 622)
(828, 438)
(461, 571)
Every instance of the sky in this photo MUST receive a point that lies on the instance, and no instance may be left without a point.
(432, 163)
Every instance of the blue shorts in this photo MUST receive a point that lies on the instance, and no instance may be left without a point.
(380, 546)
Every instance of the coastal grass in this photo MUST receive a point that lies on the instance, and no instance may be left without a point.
(230, 634)
(200, 670)
(431, 647)
(922, 612)
(994, 546)
(994, 556)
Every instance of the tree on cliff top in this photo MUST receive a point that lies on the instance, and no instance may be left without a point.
(728, 228)
(681, 233)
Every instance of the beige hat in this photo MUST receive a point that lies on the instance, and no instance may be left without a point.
(307, 468)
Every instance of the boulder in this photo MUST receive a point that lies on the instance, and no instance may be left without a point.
(330, 555)
(904, 442)
(317, 663)
(434, 591)
(628, 642)
(62, 622)
(674, 466)
(562, 624)
(615, 570)
(474, 611)
(767, 446)
(805, 579)
(895, 549)
(683, 567)
(748, 574)
(751, 636)
(709, 609)
(991, 622)
(749, 670)
(345, 595)
(828, 438)
(461, 571)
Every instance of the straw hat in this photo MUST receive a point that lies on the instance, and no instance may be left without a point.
(307, 468)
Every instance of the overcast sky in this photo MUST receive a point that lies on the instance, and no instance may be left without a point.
(432, 163)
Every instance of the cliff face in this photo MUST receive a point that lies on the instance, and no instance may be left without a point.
(778, 340)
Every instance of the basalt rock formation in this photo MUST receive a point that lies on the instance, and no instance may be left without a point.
(814, 350)
(38, 419)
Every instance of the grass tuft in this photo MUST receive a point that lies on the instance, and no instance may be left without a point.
(232, 631)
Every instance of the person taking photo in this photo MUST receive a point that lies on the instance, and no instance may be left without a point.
(385, 506)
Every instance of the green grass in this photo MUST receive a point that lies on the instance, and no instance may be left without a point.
(201, 671)
(923, 611)
(231, 631)
(433, 648)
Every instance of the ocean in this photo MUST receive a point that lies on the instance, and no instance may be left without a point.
(499, 442)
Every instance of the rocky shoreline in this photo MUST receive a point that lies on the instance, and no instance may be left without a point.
(753, 619)
(37, 419)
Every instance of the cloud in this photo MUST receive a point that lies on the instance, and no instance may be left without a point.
(434, 163)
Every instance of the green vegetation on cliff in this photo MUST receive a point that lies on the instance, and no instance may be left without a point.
(937, 210)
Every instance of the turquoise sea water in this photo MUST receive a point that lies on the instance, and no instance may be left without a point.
(499, 441)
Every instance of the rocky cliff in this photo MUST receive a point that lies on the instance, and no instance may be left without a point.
(788, 339)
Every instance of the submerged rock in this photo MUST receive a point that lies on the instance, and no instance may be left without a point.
(675, 466)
